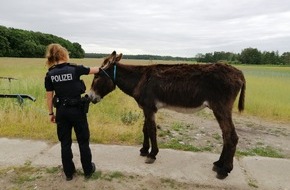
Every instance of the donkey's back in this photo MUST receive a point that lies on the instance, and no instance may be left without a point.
(185, 86)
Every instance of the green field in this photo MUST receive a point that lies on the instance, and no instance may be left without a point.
(112, 121)
(268, 92)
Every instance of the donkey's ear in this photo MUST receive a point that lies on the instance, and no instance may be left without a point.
(119, 57)
(106, 61)
(109, 59)
(113, 56)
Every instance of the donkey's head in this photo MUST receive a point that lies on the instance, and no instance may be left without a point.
(104, 82)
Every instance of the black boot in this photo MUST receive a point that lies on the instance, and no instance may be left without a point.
(70, 177)
(87, 176)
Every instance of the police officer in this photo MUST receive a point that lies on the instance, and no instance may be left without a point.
(63, 81)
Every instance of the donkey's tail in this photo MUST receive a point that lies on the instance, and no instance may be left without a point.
(241, 104)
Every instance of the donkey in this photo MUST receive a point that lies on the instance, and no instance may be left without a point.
(180, 87)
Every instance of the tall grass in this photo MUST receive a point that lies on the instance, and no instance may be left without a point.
(117, 118)
(268, 92)
(31, 119)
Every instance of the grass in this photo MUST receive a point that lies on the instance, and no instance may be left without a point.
(174, 144)
(252, 183)
(23, 174)
(177, 126)
(108, 176)
(111, 121)
(261, 151)
(216, 136)
(31, 120)
(267, 93)
(170, 182)
(129, 117)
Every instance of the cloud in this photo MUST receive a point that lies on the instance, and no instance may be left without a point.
(177, 28)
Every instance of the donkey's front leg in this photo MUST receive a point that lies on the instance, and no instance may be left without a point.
(150, 125)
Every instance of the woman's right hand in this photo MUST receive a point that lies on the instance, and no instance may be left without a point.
(52, 118)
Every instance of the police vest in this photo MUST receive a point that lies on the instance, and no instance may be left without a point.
(65, 81)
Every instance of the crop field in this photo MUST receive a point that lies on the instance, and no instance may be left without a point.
(117, 118)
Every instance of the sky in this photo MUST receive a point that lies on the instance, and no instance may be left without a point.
(157, 27)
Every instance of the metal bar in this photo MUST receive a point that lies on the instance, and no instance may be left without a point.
(8, 78)
(17, 96)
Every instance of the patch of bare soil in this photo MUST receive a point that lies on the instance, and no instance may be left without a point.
(201, 130)
(28, 177)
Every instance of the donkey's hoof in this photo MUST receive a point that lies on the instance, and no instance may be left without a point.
(144, 153)
(221, 175)
(149, 160)
(215, 168)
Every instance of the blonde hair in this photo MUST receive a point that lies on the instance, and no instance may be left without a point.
(55, 53)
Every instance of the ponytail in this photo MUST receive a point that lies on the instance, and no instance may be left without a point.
(54, 54)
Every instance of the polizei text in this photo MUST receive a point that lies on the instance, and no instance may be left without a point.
(61, 78)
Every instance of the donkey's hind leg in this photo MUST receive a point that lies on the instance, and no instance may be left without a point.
(149, 131)
(144, 151)
(230, 140)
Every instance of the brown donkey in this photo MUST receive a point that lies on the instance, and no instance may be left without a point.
(180, 87)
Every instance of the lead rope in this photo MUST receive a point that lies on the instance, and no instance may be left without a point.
(115, 73)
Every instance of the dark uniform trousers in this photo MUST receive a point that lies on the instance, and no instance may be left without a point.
(68, 118)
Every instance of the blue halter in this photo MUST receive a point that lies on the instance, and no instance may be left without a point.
(115, 73)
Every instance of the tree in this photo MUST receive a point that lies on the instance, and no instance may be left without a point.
(285, 58)
(23, 43)
(208, 58)
(78, 51)
(29, 49)
(250, 56)
(199, 57)
(270, 57)
(4, 46)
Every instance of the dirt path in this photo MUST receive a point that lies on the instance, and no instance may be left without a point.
(202, 131)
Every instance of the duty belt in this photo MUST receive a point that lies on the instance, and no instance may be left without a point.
(69, 102)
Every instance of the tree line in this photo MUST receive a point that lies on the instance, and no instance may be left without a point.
(247, 56)
(144, 57)
(23, 43)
